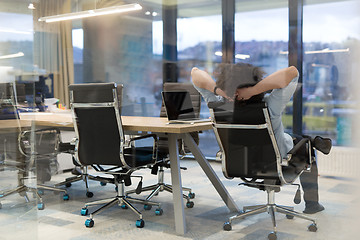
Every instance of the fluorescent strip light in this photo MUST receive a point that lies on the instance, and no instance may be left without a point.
(242, 56)
(19, 54)
(15, 31)
(92, 13)
(238, 56)
(326, 50)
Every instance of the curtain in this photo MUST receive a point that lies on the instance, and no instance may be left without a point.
(53, 49)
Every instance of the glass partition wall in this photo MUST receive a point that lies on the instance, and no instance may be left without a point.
(16, 92)
(16, 58)
(162, 42)
(330, 39)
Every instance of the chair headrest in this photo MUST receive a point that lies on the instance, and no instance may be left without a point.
(92, 92)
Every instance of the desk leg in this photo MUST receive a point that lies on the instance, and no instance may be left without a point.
(204, 164)
(180, 224)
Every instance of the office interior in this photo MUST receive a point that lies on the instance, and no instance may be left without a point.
(162, 42)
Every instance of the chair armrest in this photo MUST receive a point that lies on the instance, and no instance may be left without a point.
(154, 136)
(296, 148)
(155, 143)
(24, 139)
(67, 147)
(143, 137)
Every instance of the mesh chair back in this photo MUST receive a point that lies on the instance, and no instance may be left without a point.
(243, 135)
(98, 123)
(8, 101)
(46, 142)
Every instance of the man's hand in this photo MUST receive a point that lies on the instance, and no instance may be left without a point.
(244, 93)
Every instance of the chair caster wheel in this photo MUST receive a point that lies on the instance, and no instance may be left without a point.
(147, 206)
(89, 223)
(41, 206)
(103, 183)
(140, 223)
(68, 185)
(124, 206)
(84, 211)
(66, 197)
(158, 212)
(272, 236)
(190, 204)
(89, 194)
(227, 226)
(312, 227)
(191, 195)
(289, 216)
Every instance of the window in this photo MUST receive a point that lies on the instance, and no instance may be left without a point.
(16, 41)
(199, 39)
(261, 34)
(78, 47)
(330, 31)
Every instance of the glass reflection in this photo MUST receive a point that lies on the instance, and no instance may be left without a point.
(330, 38)
(18, 173)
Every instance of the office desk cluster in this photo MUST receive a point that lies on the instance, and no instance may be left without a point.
(153, 125)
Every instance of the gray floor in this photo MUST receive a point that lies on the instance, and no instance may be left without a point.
(62, 220)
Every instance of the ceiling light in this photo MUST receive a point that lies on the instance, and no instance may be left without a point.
(92, 13)
(154, 14)
(31, 6)
(147, 13)
(15, 31)
(325, 50)
(19, 54)
(242, 56)
(238, 56)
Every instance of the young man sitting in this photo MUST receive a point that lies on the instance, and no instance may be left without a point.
(245, 82)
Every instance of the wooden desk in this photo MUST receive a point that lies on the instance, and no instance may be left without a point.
(61, 119)
(9, 124)
(180, 131)
(174, 131)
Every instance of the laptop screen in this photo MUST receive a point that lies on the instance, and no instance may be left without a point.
(178, 105)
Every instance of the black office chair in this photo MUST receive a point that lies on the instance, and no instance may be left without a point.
(158, 169)
(44, 151)
(27, 152)
(250, 152)
(101, 144)
(81, 171)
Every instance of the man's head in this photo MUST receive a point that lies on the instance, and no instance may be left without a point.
(230, 77)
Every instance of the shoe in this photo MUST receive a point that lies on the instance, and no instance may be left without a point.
(313, 208)
(322, 144)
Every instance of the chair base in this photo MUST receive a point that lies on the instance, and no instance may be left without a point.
(161, 186)
(23, 189)
(123, 201)
(84, 176)
(271, 208)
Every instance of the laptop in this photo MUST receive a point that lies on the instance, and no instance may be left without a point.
(179, 108)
